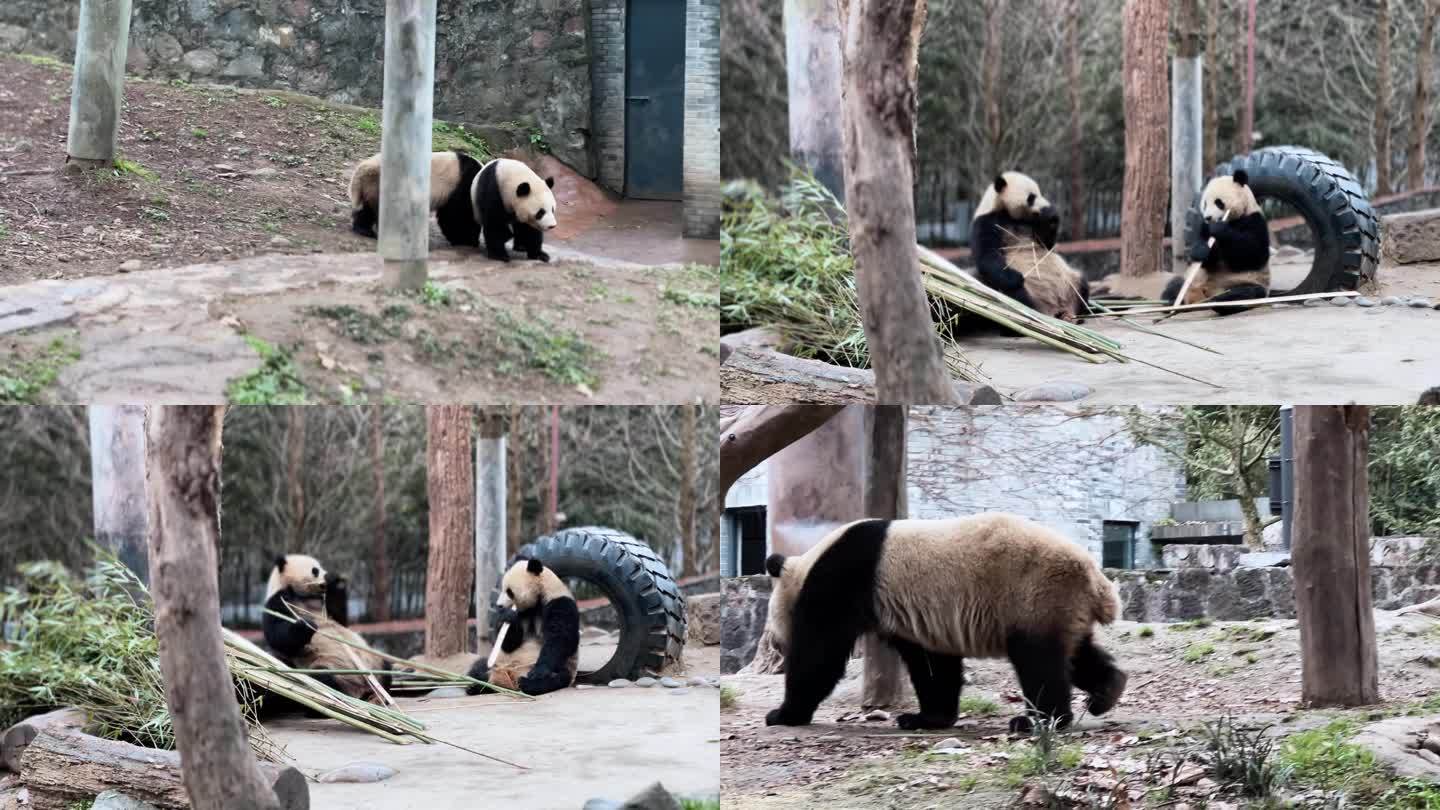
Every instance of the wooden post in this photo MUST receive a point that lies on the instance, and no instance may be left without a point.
(813, 71)
(99, 84)
(885, 678)
(880, 39)
(1147, 147)
(1187, 122)
(552, 492)
(451, 570)
(490, 506)
(1331, 556)
(182, 477)
(295, 477)
(379, 548)
(405, 142)
(685, 496)
(117, 473)
(1245, 139)
(1077, 130)
(1382, 97)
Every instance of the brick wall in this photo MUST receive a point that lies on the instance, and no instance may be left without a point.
(607, 82)
(702, 119)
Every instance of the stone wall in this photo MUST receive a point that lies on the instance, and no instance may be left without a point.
(702, 119)
(744, 602)
(607, 94)
(525, 62)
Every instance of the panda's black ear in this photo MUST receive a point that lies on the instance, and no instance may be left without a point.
(550, 181)
(522, 190)
(774, 564)
(1242, 177)
(1000, 182)
(279, 562)
(534, 566)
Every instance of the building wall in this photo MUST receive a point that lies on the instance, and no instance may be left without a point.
(607, 104)
(702, 119)
(750, 490)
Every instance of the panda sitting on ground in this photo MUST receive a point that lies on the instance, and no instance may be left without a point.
(1012, 238)
(451, 175)
(297, 588)
(1237, 267)
(511, 201)
(987, 586)
(540, 652)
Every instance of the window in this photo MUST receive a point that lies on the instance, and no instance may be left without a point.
(1117, 540)
(750, 538)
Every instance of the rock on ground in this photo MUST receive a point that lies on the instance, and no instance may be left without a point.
(115, 800)
(655, 797)
(703, 614)
(359, 772)
(1397, 743)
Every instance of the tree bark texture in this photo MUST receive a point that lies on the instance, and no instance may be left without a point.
(1077, 129)
(1245, 140)
(1382, 97)
(182, 478)
(885, 678)
(1212, 74)
(1187, 125)
(117, 464)
(379, 548)
(552, 476)
(813, 73)
(996, 13)
(405, 145)
(758, 374)
(1420, 116)
(685, 499)
(879, 120)
(1331, 556)
(449, 482)
(1147, 136)
(295, 477)
(761, 431)
(514, 501)
(101, 44)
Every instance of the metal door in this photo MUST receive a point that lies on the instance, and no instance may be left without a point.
(1118, 544)
(654, 98)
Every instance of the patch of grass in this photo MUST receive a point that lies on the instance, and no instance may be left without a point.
(274, 102)
(132, 168)
(437, 296)
(276, 382)
(155, 214)
(446, 136)
(1044, 755)
(368, 124)
(699, 804)
(537, 344)
(41, 61)
(1198, 652)
(691, 298)
(200, 133)
(1243, 634)
(361, 326)
(970, 704)
(22, 380)
(1193, 624)
(1245, 757)
(1325, 758)
(1145, 632)
(729, 697)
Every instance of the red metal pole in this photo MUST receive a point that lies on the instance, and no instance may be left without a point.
(552, 501)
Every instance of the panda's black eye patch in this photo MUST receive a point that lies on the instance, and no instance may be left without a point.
(509, 593)
(314, 572)
(1030, 200)
(540, 213)
(1220, 204)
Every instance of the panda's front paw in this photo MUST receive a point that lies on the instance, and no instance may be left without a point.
(540, 255)
(779, 717)
(1199, 251)
(501, 255)
(912, 722)
(1021, 724)
(507, 615)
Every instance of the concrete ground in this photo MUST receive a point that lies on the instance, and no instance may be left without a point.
(644, 232)
(1321, 354)
(578, 744)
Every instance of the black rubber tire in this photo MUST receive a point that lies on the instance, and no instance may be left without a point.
(641, 590)
(1345, 227)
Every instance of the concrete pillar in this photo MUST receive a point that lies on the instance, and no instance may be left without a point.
(701, 162)
(117, 475)
(814, 73)
(489, 516)
(1187, 148)
(100, 48)
(405, 142)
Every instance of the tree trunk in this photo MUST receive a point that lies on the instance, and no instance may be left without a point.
(1240, 452)
(1382, 97)
(552, 476)
(990, 90)
(812, 55)
(409, 77)
(685, 501)
(1331, 556)
(449, 484)
(490, 508)
(1077, 131)
(295, 477)
(1187, 127)
(1238, 46)
(1212, 84)
(99, 82)
(1420, 108)
(1245, 140)
(879, 119)
(761, 431)
(1147, 136)
(182, 479)
(514, 495)
(885, 677)
(379, 548)
(117, 467)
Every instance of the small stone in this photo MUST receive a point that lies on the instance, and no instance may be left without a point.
(358, 772)
(1420, 302)
(1315, 302)
(646, 681)
(263, 173)
(878, 716)
(202, 61)
(1054, 392)
(1340, 302)
(448, 692)
(620, 683)
(280, 242)
(223, 167)
(670, 683)
(371, 383)
(130, 266)
(1392, 301)
(89, 230)
(602, 804)
(115, 800)
(684, 690)
(1362, 301)
(696, 680)
(584, 686)
(948, 742)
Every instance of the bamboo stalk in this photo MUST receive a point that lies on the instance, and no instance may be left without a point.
(1252, 302)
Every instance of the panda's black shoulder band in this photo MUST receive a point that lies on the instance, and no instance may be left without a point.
(534, 566)
(774, 564)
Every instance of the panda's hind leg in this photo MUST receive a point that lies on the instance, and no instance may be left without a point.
(814, 663)
(1240, 292)
(363, 220)
(1044, 671)
(457, 221)
(1093, 671)
(937, 680)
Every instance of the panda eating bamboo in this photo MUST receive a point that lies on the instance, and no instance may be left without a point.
(1236, 267)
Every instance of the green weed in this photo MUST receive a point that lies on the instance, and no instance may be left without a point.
(276, 382)
(22, 380)
(1145, 632)
(132, 168)
(200, 133)
(447, 137)
(1198, 652)
(729, 697)
(970, 704)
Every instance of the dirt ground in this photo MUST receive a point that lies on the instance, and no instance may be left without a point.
(578, 744)
(1181, 676)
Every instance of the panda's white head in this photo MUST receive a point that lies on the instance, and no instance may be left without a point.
(528, 583)
(530, 199)
(298, 572)
(1228, 197)
(1018, 196)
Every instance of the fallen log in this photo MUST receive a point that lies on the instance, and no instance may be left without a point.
(16, 738)
(62, 766)
(763, 376)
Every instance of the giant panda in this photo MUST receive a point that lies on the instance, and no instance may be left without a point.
(1237, 268)
(451, 174)
(540, 652)
(987, 586)
(511, 200)
(297, 588)
(1012, 238)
